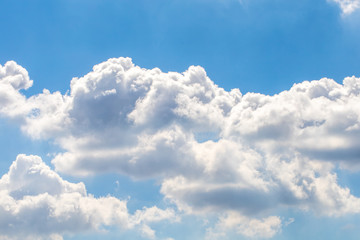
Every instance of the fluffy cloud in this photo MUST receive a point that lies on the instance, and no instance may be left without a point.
(35, 202)
(15, 75)
(251, 185)
(319, 119)
(251, 228)
(12, 79)
(348, 6)
(212, 150)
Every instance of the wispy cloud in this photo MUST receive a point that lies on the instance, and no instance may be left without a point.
(348, 6)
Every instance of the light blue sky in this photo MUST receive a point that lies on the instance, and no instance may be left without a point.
(255, 45)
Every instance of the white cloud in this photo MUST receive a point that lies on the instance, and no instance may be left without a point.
(319, 119)
(35, 202)
(12, 79)
(148, 232)
(249, 227)
(211, 150)
(16, 76)
(348, 6)
(264, 228)
(298, 183)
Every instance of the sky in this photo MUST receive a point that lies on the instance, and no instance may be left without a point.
(171, 120)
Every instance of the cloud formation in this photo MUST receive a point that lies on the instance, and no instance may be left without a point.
(35, 202)
(348, 6)
(212, 150)
(251, 228)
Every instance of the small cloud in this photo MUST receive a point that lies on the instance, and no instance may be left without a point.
(289, 221)
(349, 226)
(147, 232)
(348, 6)
(117, 183)
(248, 227)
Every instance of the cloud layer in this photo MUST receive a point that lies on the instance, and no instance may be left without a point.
(212, 150)
(35, 202)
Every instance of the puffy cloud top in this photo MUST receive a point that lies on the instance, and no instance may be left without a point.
(35, 202)
(212, 150)
(15, 75)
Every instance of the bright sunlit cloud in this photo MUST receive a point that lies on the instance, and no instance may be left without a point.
(266, 153)
(36, 203)
(348, 6)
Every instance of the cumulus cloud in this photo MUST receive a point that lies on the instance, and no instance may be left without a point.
(249, 227)
(15, 75)
(212, 150)
(296, 182)
(35, 202)
(12, 79)
(348, 6)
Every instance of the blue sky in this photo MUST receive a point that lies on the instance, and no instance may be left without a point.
(254, 45)
(159, 146)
